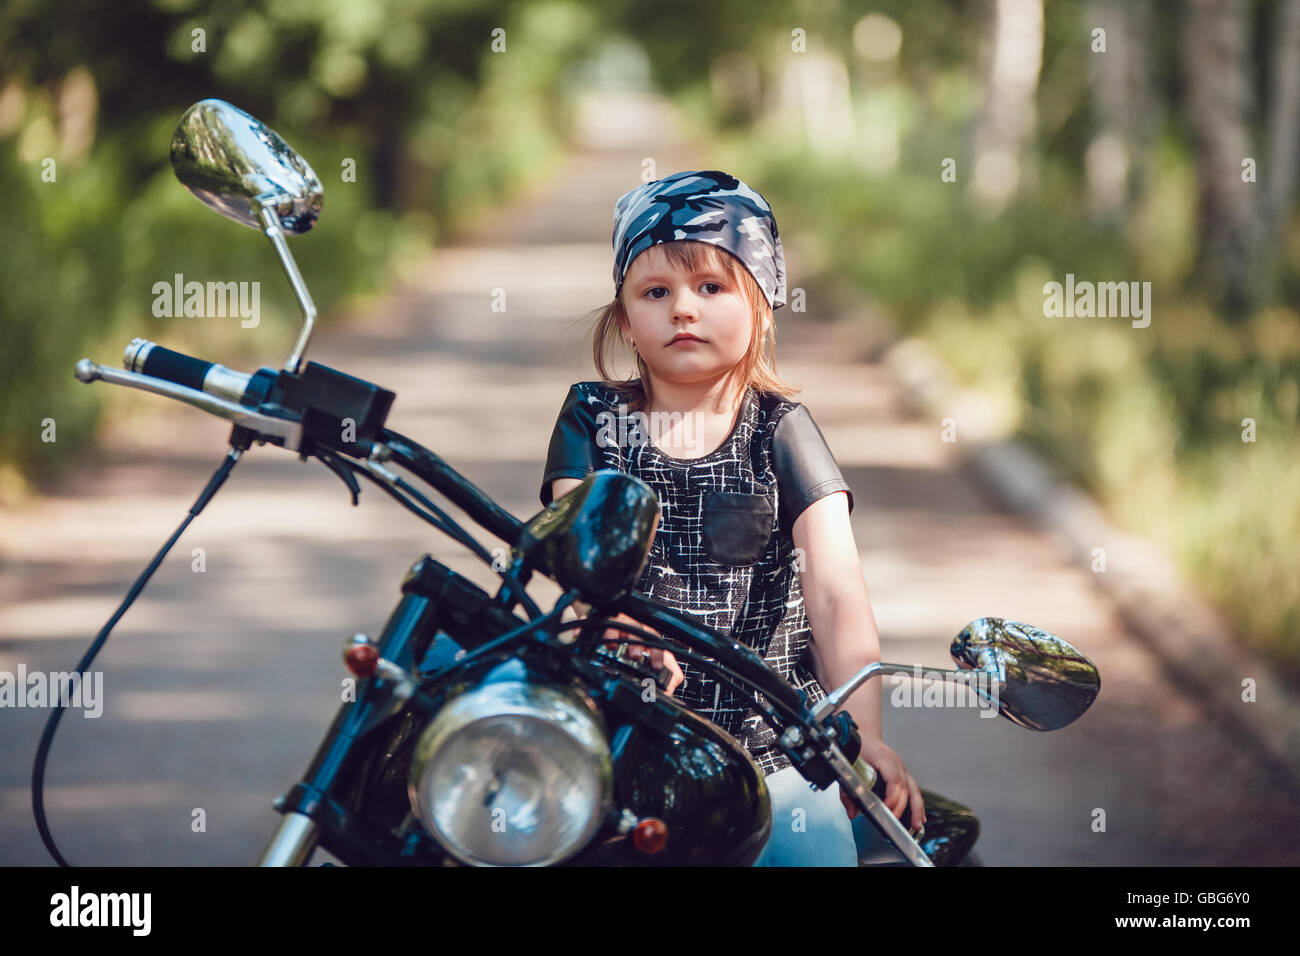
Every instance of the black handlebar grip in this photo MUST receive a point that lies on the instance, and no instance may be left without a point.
(878, 788)
(172, 366)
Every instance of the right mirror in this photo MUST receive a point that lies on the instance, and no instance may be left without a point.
(1045, 682)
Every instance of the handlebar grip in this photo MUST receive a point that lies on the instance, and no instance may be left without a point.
(149, 358)
(878, 788)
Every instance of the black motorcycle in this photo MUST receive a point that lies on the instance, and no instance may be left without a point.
(484, 730)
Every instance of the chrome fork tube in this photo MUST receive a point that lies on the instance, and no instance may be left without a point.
(292, 843)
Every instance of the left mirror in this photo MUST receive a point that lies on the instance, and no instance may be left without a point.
(233, 163)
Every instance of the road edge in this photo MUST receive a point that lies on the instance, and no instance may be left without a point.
(1192, 639)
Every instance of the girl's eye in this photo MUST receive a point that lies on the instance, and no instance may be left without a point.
(717, 288)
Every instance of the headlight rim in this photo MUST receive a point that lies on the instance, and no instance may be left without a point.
(515, 698)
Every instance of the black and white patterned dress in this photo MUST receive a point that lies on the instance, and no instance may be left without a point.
(723, 551)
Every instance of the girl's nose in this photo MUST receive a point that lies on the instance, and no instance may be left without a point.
(686, 304)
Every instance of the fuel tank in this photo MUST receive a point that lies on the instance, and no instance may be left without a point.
(699, 781)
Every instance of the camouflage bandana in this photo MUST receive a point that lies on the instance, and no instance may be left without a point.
(707, 206)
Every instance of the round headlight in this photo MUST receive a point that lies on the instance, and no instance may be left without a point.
(512, 774)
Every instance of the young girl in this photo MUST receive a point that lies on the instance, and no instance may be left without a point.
(754, 536)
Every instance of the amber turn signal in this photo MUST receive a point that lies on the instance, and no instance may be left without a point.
(650, 835)
(361, 659)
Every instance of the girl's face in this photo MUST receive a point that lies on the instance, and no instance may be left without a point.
(664, 301)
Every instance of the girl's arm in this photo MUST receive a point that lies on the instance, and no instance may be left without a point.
(845, 639)
(562, 486)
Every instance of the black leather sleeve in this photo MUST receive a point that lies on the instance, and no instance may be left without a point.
(805, 468)
(573, 451)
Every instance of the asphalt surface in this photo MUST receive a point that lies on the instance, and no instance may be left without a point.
(219, 683)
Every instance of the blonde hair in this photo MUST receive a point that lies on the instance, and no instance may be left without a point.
(756, 368)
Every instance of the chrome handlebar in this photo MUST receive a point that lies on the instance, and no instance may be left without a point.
(287, 430)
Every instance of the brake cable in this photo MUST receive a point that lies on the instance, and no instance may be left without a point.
(736, 681)
(47, 736)
(519, 633)
(435, 516)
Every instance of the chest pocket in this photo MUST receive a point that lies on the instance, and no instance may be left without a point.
(736, 527)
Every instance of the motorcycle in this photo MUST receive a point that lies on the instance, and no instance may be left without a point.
(484, 730)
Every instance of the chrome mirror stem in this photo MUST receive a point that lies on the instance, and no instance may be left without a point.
(275, 232)
(837, 697)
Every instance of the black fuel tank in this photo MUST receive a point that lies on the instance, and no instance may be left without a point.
(700, 782)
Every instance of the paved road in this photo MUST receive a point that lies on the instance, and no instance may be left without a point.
(219, 683)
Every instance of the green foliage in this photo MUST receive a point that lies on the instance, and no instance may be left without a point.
(440, 127)
(410, 93)
(1149, 420)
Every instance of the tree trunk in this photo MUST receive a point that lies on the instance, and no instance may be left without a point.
(1219, 101)
(1013, 58)
(1122, 107)
(1283, 122)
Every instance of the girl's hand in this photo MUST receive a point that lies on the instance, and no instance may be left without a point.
(900, 786)
(659, 657)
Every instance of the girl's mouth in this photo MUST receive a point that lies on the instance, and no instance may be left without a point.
(684, 339)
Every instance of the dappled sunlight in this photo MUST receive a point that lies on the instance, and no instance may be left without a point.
(189, 705)
(578, 271)
(888, 445)
(92, 798)
(77, 616)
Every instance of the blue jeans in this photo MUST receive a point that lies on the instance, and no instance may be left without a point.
(809, 827)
